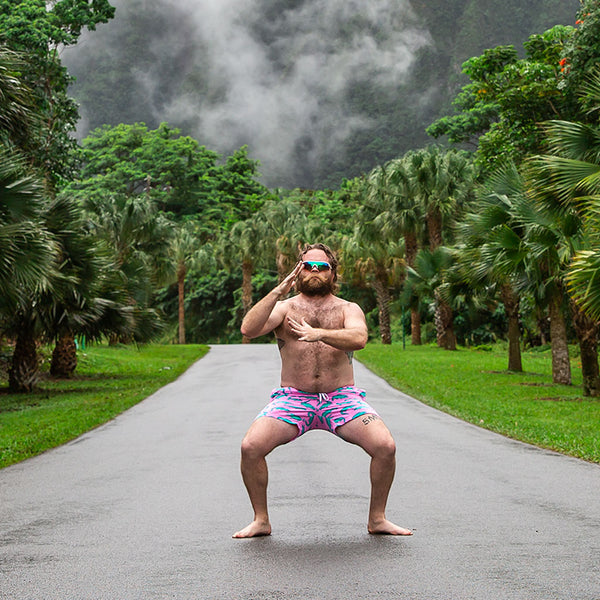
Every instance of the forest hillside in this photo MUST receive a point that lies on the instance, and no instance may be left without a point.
(319, 90)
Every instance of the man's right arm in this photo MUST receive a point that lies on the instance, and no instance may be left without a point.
(268, 313)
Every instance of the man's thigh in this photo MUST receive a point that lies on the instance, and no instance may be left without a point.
(367, 431)
(266, 433)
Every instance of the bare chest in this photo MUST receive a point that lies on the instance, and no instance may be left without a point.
(324, 317)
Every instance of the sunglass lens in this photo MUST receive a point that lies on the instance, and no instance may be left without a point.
(309, 265)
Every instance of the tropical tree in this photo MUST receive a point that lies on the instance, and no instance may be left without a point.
(187, 252)
(580, 56)
(175, 171)
(39, 30)
(427, 279)
(492, 254)
(27, 248)
(18, 120)
(392, 190)
(30, 257)
(287, 223)
(139, 238)
(529, 248)
(442, 182)
(566, 182)
(371, 259)
(244, 246)
(498, 112)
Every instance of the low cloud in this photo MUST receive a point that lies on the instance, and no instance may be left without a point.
(280, 76)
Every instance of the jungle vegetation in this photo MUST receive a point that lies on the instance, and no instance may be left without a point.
(140, 233)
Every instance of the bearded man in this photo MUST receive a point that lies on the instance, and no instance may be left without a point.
(317, 333)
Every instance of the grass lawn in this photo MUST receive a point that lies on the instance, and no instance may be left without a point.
(475, 386)
(108, 381)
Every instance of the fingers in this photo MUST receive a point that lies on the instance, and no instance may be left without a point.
(304, 331)
(289, 281)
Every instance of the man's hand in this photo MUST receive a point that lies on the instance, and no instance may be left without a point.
(304, 331)
(283, 289)
(268, 313)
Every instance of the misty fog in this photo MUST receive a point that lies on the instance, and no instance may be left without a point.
(319, 90)
(279, 76)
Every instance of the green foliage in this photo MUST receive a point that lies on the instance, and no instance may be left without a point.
(150, 58)
(38, 29)
(211, 302)
(581, 53)
(28, 250)
(18, 119)
(180, 175)
(507, 98)
(37, 25)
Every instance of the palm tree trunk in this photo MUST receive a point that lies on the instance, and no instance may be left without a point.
(434, 228)
(561, 365)
(443, 324)
(23, 372)
(247, 268)
(415, 326)
(411, 248)
(511, 306)
(181, 300)
(64, 356)
(587, 336)
(383, 303)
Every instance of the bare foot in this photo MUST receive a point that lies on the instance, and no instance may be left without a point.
(255, 529)
(386, 527)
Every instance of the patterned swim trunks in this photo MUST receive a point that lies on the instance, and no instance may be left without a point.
(317, 411)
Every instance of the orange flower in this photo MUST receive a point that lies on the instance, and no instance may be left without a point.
(562, 62)
(579, 22)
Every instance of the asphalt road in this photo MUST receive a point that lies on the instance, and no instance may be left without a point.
(144, 507)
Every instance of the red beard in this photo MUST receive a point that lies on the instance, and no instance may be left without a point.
(313, 285)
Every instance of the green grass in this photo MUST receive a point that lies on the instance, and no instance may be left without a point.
(475, 386)
(108, 381)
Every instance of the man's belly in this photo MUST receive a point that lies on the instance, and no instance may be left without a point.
(319, 368)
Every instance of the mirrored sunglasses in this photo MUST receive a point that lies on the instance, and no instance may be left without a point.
(309, 265)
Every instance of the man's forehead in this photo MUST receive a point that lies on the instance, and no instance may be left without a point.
(316, 254)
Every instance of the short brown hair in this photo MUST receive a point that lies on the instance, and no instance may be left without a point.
(330, 255)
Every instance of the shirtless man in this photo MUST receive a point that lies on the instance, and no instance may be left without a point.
(317, 334)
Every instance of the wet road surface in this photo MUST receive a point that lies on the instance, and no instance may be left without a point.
(144, 507)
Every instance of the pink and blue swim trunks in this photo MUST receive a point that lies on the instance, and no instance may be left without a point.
(317, 410)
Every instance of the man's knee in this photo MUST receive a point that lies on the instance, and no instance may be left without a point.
(385, 447)
(253, 447)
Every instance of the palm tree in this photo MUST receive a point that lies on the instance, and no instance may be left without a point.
(427, 279)
(567, 183)
(492, 255)
(18, 119)
(442, 182)
(185, 250)
(371, 259)
(549, 241)
(87, 298)
(139, 237)
(28, 266)
(27, 248)
(392, 189)
(287, 222)
(245, 246)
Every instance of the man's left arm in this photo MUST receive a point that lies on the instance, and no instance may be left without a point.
(353, 336)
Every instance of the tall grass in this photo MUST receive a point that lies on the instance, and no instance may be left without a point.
(475, 386)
